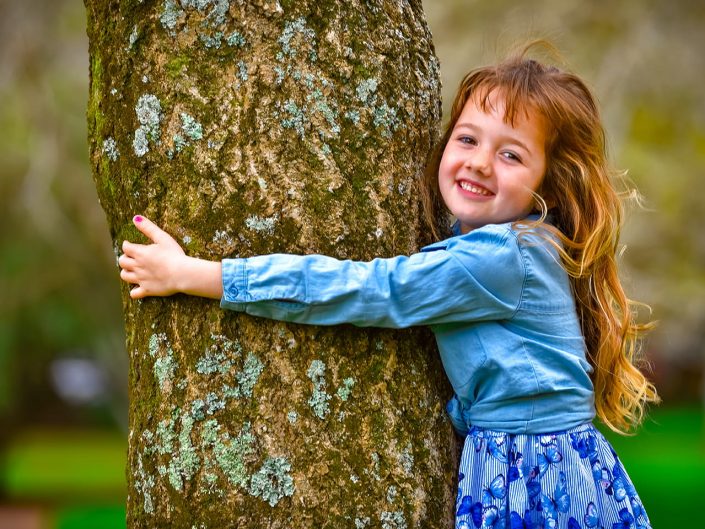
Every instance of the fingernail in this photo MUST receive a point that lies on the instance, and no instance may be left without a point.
(139, 218)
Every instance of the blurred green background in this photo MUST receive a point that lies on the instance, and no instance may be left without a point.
(63, 365)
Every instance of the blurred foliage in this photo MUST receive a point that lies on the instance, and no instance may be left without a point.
(58, 276)
(59, 287)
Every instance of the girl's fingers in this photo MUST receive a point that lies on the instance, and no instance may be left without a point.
(128, 277)
(153, 232)
(126, 262)
(137, 293)
(130, 248)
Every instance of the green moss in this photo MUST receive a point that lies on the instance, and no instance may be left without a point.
(337, 464)
(95, 116)
(376, 368)
(361, 70)
(97, 128)
(177, 65)
(106, 183)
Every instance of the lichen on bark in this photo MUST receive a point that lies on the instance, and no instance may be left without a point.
(281, 126)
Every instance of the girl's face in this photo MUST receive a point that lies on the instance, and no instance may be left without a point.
(489, 169)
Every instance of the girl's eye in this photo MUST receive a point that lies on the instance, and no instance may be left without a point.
(511, 156)
(468, 140)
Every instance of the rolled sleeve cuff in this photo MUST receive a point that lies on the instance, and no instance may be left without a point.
(455, 412)
(234, 284)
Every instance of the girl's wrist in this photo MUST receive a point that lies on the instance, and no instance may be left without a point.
(199, 277)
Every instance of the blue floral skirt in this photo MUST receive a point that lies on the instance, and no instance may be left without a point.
(565, 480)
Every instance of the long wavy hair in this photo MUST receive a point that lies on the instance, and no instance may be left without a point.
(586, 218)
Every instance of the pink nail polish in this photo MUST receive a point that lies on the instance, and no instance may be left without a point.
(139, 218)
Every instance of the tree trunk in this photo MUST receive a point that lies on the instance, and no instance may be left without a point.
(258, 126)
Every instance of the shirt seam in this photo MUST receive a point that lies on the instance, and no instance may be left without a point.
(524, 259)
(536, 379)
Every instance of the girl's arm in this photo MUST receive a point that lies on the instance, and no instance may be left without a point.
(481, 280)
(162, 268)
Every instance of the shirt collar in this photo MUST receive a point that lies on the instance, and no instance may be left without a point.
(455, 232)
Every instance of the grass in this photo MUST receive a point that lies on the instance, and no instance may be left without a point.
(80, 476)
(90, 517)
(666, 461)
(50, 465)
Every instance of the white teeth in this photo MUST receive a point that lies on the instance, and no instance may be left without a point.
(473, 189)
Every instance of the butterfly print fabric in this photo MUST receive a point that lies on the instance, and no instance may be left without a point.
(567, 480)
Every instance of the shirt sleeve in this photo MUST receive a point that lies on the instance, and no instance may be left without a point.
(477, 277)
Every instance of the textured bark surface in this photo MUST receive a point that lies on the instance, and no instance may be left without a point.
(249, 127)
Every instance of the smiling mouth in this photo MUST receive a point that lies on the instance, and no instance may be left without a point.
(467, 186)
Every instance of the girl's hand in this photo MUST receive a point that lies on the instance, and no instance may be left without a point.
(154, 268)
(162, 268)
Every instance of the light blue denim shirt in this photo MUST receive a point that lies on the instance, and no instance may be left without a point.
(499, 304)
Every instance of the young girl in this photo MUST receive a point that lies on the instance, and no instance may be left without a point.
(534, 329)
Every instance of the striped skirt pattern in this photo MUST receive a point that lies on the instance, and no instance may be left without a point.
(566, 480)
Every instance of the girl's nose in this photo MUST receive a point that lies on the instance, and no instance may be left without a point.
(480, 161)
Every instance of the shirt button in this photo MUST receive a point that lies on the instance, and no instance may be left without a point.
(233, 291)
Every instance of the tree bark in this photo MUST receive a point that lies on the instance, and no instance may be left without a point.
(258, 126)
